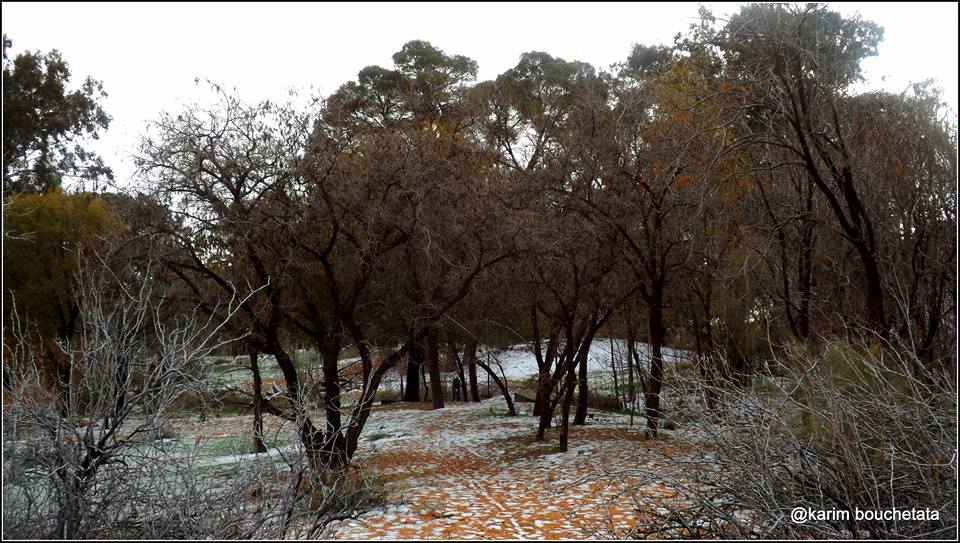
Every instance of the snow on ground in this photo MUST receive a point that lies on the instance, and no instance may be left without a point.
(470, 472)
(519, 362)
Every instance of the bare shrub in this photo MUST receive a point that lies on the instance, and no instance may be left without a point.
(854, 428)
(102, 459)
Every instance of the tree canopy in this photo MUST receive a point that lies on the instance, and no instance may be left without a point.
(44, 123)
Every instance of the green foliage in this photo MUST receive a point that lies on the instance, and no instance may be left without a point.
(426, 83)
(802, 41)
(42, 121)
(419, 58)
(834, 391)
(648, 59)
(540, 80)
(45, 236)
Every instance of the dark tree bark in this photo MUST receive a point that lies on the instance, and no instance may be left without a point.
(616, 385)
(414, 362)
(547, 385)
(470, 354)
(568, 397)
(433, 365)
(501, 385)
(258, 444)
(310, 436)
(655, 384)
(544, 364)
(583, 395)
(630, 387)
(329, 347)
(423, 379)
(460, 383)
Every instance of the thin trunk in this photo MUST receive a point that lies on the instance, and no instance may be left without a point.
(542, 399)
(565, 409)
(500, 384)
(423, 379)
(470, 354)
(330, 355)
(547, 384)
(121, 397)
(654, 385)
(805, 274)
(258, 445)
(544, 384)
(876, 314)
(414, 362)
(70, 514)
(639, 368)
(583, 389)
(310, 436)
(460, 384)
(631, 390)
(433, 364)
(616, 385)
(581, 358)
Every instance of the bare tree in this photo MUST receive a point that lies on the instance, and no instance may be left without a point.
(129, 367)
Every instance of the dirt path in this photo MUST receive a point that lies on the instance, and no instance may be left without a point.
(469, 472)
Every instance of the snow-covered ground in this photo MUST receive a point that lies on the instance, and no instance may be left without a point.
(469, 472)
(515, 363)
(519, 362)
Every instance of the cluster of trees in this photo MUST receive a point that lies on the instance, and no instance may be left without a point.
(728, 194)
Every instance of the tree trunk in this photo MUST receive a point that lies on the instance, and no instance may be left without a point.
(631, 389)
(546, 385)
(583, 390)
(121, 379)
(876, 314)
(414, 361)
(423, 379)
(433, 364)
(565, 409)
(361, 411)
(501, 385)
(460, 383)
(330, 356)
(542, 399)
(258, 444)
(654, 385)
(470, 354)
(70, 514)
(805, 278)
(310, 437)
(613, 368)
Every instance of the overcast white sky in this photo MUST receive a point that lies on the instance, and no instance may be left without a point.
(148, 55)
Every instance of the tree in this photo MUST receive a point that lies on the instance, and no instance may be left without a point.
(227, 174)
(659, 178)
(794, 66)
(432, 231)
(45, 238)
(549, 121)
(43, 123)
(129, 367)
(422, 99)
(425, 85)
(434, 78)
